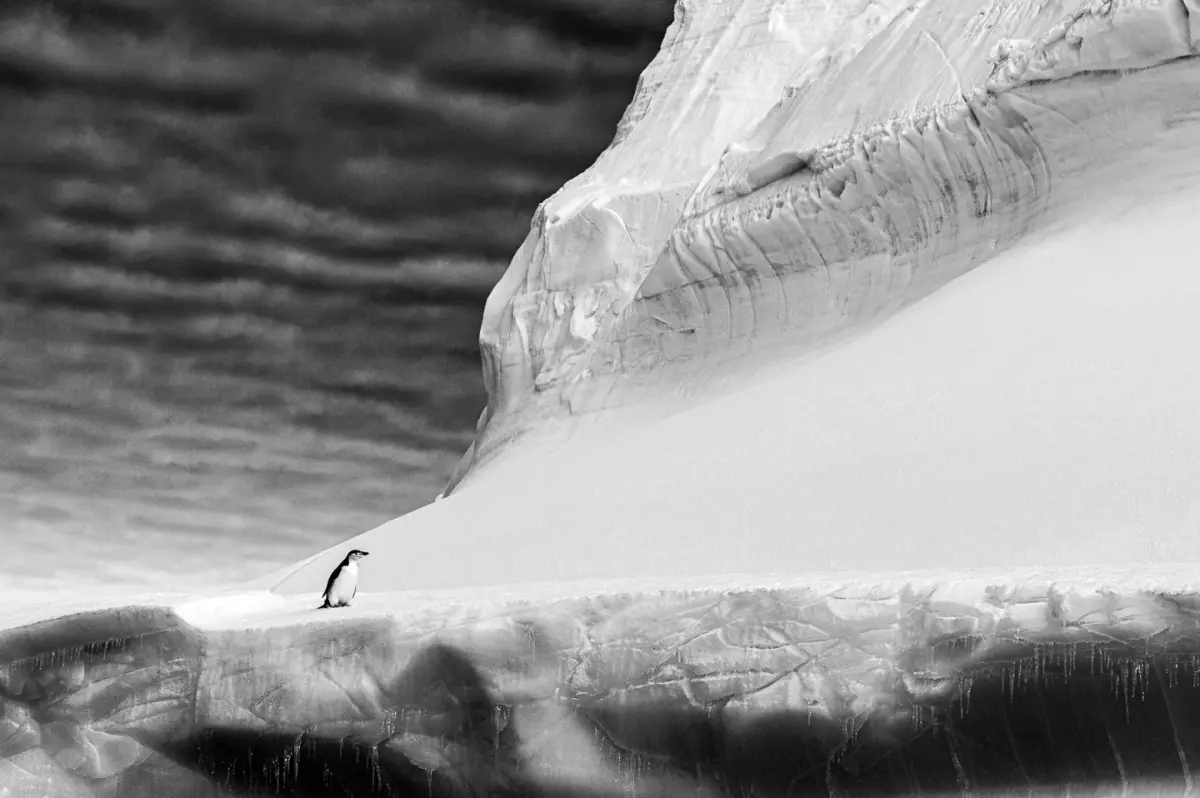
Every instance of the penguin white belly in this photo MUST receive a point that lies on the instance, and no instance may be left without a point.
(344, 586)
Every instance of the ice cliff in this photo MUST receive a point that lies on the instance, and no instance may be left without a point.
(858, 287)
(862, 687)
(790, 171)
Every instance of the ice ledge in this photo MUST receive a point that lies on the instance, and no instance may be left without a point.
(674, 691)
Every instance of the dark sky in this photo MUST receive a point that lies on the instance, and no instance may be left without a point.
(244, 251)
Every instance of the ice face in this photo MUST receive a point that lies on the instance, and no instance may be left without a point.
(90, 699)
(791, 173)
(897, 688)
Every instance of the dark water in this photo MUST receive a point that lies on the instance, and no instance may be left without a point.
(244, 251)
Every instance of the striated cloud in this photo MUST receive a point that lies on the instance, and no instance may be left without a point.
(246, 243)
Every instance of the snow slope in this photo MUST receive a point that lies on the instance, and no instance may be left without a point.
(1039, 411)
(842, 438)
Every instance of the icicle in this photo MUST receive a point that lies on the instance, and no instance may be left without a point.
(1175, 732)
(1125, 687)
(960, 773)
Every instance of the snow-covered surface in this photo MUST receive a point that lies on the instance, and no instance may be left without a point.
(241, 608)
(1040, 411)
(860, 369)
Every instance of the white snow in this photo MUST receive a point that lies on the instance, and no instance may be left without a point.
(1039, 411)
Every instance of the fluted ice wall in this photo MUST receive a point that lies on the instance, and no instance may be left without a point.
(789, 170)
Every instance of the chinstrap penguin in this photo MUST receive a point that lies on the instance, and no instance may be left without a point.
(343, 582)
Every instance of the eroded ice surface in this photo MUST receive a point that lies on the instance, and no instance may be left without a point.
(859, 287)
(913, 684)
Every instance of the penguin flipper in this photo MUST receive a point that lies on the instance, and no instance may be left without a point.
(329, 588)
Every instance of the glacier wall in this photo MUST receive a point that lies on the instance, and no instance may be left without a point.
(914, 687)
(790, 171)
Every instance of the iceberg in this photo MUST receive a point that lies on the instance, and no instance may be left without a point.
(842, 438)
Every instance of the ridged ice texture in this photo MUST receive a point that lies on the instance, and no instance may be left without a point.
(790, 170)
(927, 686)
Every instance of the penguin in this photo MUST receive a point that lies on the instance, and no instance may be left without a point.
(343, 582)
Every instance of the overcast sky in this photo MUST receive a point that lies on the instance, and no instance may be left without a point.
(246, 246)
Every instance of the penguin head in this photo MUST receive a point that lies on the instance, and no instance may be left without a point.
(357, 554)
